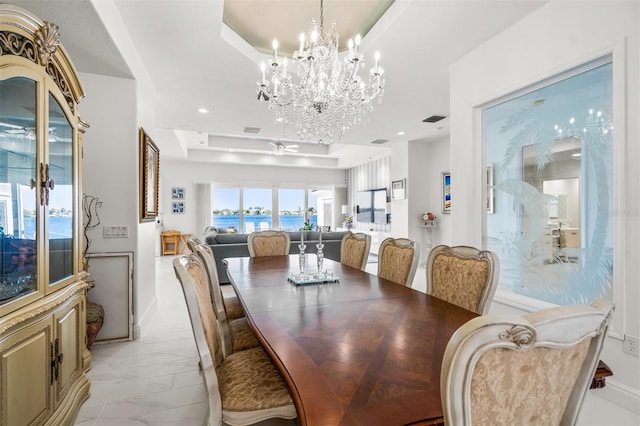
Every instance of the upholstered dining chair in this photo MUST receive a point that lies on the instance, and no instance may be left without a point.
(232, 305)
(236, 335)
(354, 250)
(268, 243)
(463, 275)
(398, 260)
(243, 388)
(534, 369)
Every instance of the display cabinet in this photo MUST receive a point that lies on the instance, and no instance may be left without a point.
(43, 356)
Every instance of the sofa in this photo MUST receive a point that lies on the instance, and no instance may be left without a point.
(224, 245)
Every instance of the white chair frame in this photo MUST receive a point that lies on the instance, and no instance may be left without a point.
(559, 327)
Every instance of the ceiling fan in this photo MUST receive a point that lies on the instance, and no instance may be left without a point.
(29, 132)
(279, 148)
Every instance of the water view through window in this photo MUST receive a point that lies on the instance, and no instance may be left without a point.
(250, 209)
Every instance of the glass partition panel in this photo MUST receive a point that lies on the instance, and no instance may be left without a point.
(60, 208)
(18, 203)
(551, 153)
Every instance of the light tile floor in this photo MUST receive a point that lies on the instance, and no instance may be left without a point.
(155, 380)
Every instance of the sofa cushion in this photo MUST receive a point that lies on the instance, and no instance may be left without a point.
(231, 238)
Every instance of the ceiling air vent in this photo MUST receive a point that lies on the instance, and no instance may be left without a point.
(253, 130)
(434, 119)
(380, 141)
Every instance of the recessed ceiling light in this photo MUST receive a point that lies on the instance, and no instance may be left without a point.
(576, 155)
(203, 110)
(400, 133)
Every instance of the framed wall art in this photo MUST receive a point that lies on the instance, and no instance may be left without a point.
(398, 189)
(177, 193)
(446, 192)
(149, 169)
(177, 207)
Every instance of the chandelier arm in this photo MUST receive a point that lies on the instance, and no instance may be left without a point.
(353, 73)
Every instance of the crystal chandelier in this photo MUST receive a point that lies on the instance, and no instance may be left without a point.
(325, 95)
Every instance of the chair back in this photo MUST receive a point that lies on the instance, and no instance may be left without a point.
(354, 250)
(534, 369)
(204, 253)
(464, 276)
(268, 243)
(192, 243)
(398, 260)
(190, 272)
(249, 227)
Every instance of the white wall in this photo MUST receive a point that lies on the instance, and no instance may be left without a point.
(143, 115)
(399, 169)
(556, 37)
(186, 175)
(437, 162)
(110, 172)
(418, 191)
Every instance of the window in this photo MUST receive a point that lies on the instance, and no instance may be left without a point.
(552, 155)
(249, 209)
(256, 209)
(226, 213)
(291, 206)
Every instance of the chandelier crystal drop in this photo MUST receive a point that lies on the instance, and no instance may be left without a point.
(324, 96)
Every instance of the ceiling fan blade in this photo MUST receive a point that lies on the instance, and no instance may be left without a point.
(273, 144)
(292, 146)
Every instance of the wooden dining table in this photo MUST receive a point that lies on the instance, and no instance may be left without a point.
(361, 351)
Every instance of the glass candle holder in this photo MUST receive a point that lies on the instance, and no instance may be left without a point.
(301, 258)
(320, 256)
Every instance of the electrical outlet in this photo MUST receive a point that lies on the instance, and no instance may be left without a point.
(631, 345)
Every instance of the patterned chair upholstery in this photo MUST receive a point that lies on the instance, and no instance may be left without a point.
(236, 335)
(244, 387)
(398, 260)
(268, 243)
(354, 250)
(464, 276)
(232, 305)
(528, 370)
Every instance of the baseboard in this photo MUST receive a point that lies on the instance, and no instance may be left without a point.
(621, 394)
(139, 324)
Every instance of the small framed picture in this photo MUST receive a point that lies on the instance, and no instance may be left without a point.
(398, 190)
(177, 193)
(177, 207)
(446, 192)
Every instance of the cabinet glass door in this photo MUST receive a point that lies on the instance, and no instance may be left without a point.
(60, 206)
(18, 203)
